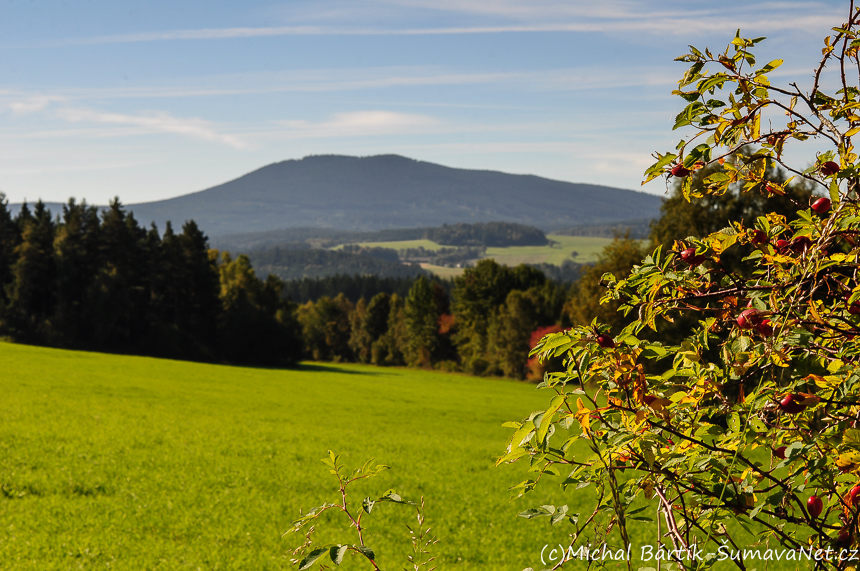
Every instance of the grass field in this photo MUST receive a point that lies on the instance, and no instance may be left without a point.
(126, 463)
(561, 248)
(442, 271)
(134, 463)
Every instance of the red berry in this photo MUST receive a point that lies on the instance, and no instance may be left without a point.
(843, 540)
(821, 205)
(781, 245)
(780, 452)
(748, 318)
(852, 494)
(772, 188)
(765, 328)
(829, 168)
(759, 237)
(689, 256)
(680, 170)
(605, 341)
(800, 244)
(790, 404)
(814, 505)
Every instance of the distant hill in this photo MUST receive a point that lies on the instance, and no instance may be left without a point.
(390, 191)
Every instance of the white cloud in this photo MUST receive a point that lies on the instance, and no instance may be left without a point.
(368, 78)
(516, 16)
(33, 104)
(158, 122)
(668, 25)
(362, 123)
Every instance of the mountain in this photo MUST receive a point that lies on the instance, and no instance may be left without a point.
(390, 191)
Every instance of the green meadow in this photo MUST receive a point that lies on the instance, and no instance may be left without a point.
(129, 463)
(115, 462)
(581, 249)
(560, 248)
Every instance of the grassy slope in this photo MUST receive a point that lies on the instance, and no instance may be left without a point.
(133, 463)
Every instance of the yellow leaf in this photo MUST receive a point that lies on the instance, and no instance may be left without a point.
(779, 359)
(853, 131)
(848, 461)
(582, 416)
(814, 313)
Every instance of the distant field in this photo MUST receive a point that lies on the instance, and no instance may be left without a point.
(587, 248)
(128, 463)
(561, 248)
(400, 244)
(442, 271)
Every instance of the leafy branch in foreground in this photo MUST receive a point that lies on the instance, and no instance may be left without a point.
(753, 420)
(309, 554)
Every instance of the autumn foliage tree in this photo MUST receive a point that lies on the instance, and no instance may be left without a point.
(752, 419)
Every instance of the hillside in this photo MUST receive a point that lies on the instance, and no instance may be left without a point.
(390, 191)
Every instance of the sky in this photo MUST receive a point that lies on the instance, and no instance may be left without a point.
(150, 100)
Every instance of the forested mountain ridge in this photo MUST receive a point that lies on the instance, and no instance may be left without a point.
(391, 191)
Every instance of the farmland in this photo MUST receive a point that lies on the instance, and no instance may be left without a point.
(580, 249)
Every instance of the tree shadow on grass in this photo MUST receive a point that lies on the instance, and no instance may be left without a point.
(318, 368)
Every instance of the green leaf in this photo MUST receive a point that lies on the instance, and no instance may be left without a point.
(692, 74)
(560, 342)
(560, 514)
(757, 509)
(546, 420)
(735, 422)
(834, 192)
(312, 558)
(337, 552)
(367, 504)
(394, 497)
(656, 169)
(366, 551)
(851, 438)
(541, 511)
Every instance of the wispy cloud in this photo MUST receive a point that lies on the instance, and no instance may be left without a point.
(33, 103)
(672, 26)
(515, 16)
(362, 123)
(357, 79)
(158, 122)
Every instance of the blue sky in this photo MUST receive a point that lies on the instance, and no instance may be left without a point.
(148, 100)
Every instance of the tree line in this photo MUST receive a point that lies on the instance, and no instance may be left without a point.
(101, 282)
